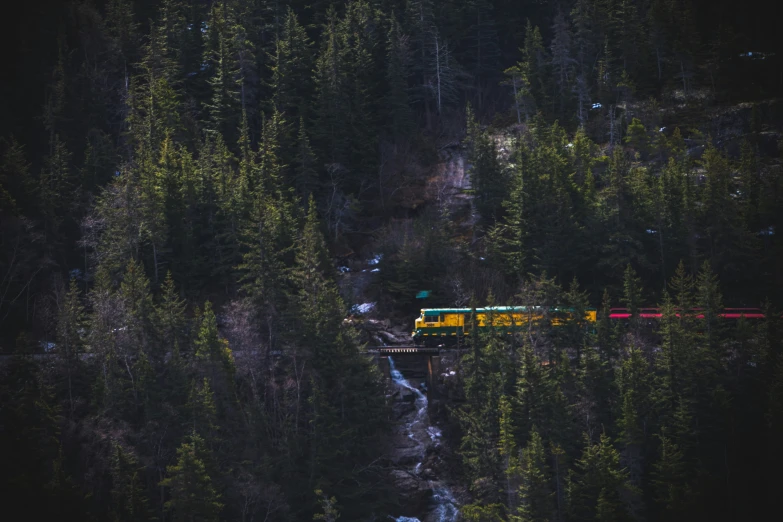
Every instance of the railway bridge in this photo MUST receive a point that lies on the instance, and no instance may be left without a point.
(381, 356)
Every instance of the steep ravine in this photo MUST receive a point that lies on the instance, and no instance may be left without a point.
(415, 448)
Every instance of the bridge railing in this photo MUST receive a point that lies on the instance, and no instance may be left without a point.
(390, 350)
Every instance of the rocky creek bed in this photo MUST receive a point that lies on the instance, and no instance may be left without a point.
(416, 454)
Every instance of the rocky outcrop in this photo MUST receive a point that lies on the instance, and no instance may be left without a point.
(377, 332)
(413, 492)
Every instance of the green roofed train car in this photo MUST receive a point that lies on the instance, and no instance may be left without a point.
(448, 326)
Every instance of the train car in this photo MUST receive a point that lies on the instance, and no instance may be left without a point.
(449, 326)
(696, 313)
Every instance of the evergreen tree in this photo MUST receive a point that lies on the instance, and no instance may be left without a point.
(535, 490)
(291, 70)
(751, 185)
(57, 189)
(533, 68)
(129, 498)
(193, 497)
(305, 173)
(606, 333)
(597, 482)
(397, 73)
(482, 43)
(209, 345)
(487, 177)
(507, 447)
(70, 337)
(344, 417)
(169, 317)
(331, 96)
(672, 491)
(562, 61)
(225, 83)
(632, 290)
(137, 300)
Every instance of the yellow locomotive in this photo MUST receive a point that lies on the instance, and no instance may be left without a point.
(449, 326)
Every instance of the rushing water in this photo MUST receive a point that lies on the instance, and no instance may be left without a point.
(445, 505)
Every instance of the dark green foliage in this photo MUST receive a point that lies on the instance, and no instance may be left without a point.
(129, 498)
(182, 154)
(193, 496)
(536, 499)
(597, 483)
(487, 177)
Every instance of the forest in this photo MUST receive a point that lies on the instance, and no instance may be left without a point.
(206, 204)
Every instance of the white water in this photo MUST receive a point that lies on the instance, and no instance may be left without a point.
(445, 505)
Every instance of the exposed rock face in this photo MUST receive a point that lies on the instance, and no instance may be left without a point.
(414, 493)
(376, 332)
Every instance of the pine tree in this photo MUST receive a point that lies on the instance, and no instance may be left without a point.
(669, 480)
(203, 411)
(291, 68)
(397, 73)
(562, 60)
(154, 96)
(532, 386)
(710, 301)
(636, 137)
(193, 497)
(29, 449)
(597, 482)
(129, 498)
(138, 308)
(209, 345)
(317, 298)
(534, 67)
(122, 29)
(487, 178)
(225, 82)
(344, 419)
(751, 185)
(304, 164)
(632, 289)
(535, 490)
(420, 22)
(507, 447)
(606, 332)
(57, 188)
(70, 336)
(17, 186)
(169, 317)
(331, 96)
(635, 411)
(482, 43)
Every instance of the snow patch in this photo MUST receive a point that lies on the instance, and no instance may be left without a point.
(375, 260)
(363, 308)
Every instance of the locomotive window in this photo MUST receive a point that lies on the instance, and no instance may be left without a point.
(430, 318)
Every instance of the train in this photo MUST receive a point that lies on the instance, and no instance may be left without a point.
(450, 326)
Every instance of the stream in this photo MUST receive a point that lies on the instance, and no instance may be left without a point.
(424, 436)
